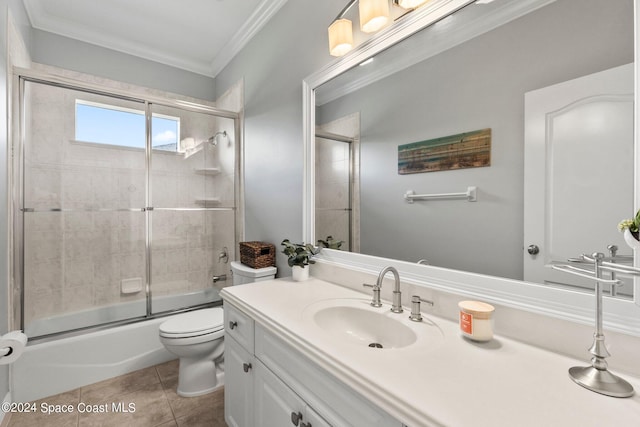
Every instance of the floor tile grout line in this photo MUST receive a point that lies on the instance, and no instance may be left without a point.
(164, 391)
(77, 404)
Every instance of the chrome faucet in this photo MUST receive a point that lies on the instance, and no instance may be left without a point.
(396, 307)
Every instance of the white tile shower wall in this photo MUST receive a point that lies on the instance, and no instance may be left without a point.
(76, 260)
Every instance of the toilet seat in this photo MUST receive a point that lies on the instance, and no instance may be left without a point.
(194, 324)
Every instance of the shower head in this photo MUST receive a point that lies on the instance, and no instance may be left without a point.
(214, 139)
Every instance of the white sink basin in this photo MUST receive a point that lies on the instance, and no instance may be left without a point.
(354, 321)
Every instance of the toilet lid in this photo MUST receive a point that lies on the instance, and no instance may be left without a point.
(196, 322)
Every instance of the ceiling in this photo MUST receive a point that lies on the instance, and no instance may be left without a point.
(201, 36)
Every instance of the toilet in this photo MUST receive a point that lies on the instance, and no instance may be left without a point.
(244, 274)
(196, 337)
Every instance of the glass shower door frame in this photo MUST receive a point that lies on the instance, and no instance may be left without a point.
(17, 176)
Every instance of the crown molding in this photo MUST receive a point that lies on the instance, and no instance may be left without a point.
(265, 11)
(41, 20)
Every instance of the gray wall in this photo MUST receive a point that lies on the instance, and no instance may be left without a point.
(289, 48)
(477, 85)
(63, 52)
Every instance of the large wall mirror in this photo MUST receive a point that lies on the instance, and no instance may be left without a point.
(553, 80)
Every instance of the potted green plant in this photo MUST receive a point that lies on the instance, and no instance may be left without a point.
(330, 243)
(299, 257)
(630, 228)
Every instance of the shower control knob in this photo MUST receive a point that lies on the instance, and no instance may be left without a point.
(533, 249)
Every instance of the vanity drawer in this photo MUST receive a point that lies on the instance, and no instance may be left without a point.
(329, 397)
(239, 326)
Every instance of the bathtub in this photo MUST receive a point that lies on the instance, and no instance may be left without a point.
(56, 366)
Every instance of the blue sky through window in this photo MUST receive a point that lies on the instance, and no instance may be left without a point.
(105, 124)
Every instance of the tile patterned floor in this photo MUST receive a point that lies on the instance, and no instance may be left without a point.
(152, 391)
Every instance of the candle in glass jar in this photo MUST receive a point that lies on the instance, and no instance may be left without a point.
(475, 320)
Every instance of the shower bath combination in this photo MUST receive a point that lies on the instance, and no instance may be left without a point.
(91, 214)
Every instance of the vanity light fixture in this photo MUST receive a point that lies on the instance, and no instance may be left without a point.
(374, 14)
(340, 37)
(410, 4)
(341, 33)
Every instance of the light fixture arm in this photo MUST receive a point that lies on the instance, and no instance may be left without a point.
(373, 14)
(345, 9)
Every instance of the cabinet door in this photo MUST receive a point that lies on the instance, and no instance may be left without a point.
(238, 384)
(275, 403)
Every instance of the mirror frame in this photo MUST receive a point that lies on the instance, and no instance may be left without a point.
(619, 315)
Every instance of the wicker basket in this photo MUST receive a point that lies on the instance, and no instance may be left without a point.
(257, 254)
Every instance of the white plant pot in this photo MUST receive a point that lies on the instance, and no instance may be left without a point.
(300, 274)
(631, 241)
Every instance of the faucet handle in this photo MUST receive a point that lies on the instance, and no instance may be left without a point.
(375, 302)
(415, 307)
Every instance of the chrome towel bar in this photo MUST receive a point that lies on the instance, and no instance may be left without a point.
(470, 195)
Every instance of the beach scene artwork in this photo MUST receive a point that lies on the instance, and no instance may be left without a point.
(463, 150)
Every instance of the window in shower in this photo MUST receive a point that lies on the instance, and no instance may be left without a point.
(110, 229)
(117, 125)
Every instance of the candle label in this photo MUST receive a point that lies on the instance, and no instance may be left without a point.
(466, 323)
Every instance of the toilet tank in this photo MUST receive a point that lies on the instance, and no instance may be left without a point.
(244, 274)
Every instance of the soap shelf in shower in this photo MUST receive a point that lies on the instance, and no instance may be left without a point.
(208, 202)
(207, 171)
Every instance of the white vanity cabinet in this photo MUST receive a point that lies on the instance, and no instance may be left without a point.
(269, 383)
(277, 405)
(238, 378)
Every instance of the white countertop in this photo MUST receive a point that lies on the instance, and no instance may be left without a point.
(453, 383)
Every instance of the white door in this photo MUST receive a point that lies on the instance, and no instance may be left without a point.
(578, 171)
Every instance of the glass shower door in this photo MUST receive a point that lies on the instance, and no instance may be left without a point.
(193, 198)
(333, 191)
(82, 209)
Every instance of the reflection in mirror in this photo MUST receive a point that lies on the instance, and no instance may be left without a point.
(471, 71)
(337, 204)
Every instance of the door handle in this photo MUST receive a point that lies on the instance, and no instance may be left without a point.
(533, 249)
